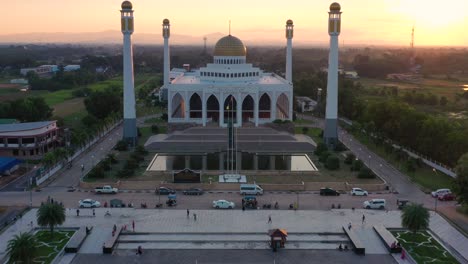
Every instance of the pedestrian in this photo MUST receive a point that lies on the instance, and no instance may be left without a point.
(188, 213)
(51, 200)
(243, 208)
(139, 250)
(349, 226)
(194, 217)
(363, 219)
(77, 212)
(269, 219)
(114, 228)
(94, 212)
(133, 225)
(403, 254)
(48, 199)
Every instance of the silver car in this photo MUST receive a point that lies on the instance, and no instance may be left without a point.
(89, 203)
(223, 204)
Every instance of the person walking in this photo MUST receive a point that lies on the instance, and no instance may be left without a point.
(188, 213)
(349, 226)
(194, 217)
(133, 225)
(77, 212)
(94, 212)
(269, 219)
(363, 219)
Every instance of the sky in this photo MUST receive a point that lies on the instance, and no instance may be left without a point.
(384, 22)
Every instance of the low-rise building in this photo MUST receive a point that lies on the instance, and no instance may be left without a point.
(28, 140)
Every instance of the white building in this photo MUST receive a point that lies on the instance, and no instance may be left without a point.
(229, 88)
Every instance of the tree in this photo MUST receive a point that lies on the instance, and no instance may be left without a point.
(321, 147)
(332, 162)
(50, 214)
(365, 173)
(443, 101)
(22, 248)
(415, 217)
(102, 103)
(461, 182)
(305, 130)
(357, 165)
(324, 155)
(155, 129)
(350, 157)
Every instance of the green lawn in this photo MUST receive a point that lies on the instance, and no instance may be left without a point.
(49, 246)
(424, 176)
(423, 248)
(57, 97)
(74, 120)
(313, 132)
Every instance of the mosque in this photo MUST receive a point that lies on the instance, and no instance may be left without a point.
(228, 88)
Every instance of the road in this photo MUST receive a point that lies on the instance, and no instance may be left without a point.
(399, 182)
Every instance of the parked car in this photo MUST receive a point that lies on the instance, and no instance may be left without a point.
(89, 203)
(193, 191)
(359, 191)
(252, 189)
(164, 190)
(374, 204)
(328, 191)
(223, 204)
(440, 192)
(106, 189)
(447, 197)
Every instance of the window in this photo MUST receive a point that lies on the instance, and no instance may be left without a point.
(12, 141)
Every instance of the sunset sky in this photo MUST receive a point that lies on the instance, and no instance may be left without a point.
(363, 21)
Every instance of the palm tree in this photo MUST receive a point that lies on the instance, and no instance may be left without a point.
(22, 248)
(415, 217)
(50, 214)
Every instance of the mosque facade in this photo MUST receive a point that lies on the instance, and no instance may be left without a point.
(228, 88)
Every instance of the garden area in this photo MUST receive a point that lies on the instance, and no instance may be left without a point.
(49, 246)
(423, 248)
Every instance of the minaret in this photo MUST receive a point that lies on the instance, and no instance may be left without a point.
(289, 36)
(130, 129)
(166, 33)
(330, 135)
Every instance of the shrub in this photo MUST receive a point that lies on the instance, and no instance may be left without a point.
(333, 162)
(366, 173)
(305, 130)
(121, 145)
(324, 155)
(357, 165)
(321, 147)
(350, 157)
(164, 117)
(340, 147)
(96, 172)
(410, 164)
(155, 129)
(141, 150)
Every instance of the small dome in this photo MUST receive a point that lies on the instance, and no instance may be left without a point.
(289, 22)
(335, 7)
(127, 5)
(166, 21)
(230, 46)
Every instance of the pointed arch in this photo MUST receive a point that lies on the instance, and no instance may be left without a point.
(282, 107)
(264, 106)
(230, 108)
(178, 106)
(195, 106)
(212, 108)
(247, 108)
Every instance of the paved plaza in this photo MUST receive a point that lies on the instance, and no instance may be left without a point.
(160, 231)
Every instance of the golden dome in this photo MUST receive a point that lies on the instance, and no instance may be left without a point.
(127, 5)
(289, 22)
(335, 7)
(230, 46)
(166, 21)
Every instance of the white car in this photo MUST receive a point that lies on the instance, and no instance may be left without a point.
(359, 191)
(223, 204)
(374, 204)
(89, 203)
(440, 192)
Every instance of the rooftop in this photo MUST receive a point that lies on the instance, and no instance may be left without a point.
(193, 78)
(24, 126)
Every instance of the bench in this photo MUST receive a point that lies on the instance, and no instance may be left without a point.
(387, 238)
(108, 246)
(76, 241)
(357, 243)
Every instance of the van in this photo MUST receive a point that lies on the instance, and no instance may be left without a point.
(440, 192)
(374, 204)
(252, 189)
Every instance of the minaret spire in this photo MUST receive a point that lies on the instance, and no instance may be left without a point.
(289, 36)
(130, 129)
(229, 27)
(167, 64)
(330, 134)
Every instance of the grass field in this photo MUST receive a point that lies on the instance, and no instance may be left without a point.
(313, 132)
(423, 248)
(49, 246)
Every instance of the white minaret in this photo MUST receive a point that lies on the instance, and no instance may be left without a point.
(289, 36)
(166, 34)
(330, 134)
(130, 129)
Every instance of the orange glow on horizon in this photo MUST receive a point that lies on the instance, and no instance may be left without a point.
(379, 22)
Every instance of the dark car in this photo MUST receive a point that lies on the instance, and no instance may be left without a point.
(164, 190)
(447, 197)
(193, 191)
(328, 191)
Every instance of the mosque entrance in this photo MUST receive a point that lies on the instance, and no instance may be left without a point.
(230, 109)
(195, 106)
(212, 109)
(264, 105)
(247, 109)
